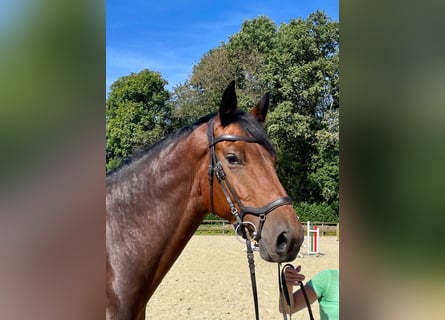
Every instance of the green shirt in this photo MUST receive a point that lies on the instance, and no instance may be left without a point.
(326, 286)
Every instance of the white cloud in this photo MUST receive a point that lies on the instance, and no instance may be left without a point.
(121, 62)
(120, 59)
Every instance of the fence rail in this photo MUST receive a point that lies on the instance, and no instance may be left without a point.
(224, 227)
(215, 226)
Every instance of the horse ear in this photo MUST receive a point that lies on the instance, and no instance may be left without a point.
(228, 104)
(259, 112)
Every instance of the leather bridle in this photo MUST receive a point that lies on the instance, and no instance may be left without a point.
(216, 168)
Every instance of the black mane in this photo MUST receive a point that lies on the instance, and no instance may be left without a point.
(248, 123)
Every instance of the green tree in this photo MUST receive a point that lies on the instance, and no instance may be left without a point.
(303, 67)
(303, 76)
(249, 52)
(201, 94)
(137, 114)
(324, 165)
(242, 58)
(297, 63)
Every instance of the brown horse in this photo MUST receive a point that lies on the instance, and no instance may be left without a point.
(156, 203)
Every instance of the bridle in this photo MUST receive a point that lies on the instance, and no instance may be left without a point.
(216, 169)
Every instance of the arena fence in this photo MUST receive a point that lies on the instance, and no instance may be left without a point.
(224, 227)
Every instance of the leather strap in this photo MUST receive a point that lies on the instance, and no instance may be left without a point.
(229, 137)
(288, 295)
(267, 208)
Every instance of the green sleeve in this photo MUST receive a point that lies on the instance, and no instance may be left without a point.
(326, 286)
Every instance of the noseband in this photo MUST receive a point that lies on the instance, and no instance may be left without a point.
(216, 168)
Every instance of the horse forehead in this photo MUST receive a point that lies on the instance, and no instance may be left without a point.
(236, 130)
(233, 129)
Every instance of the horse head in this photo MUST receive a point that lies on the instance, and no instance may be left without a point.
(249, 193)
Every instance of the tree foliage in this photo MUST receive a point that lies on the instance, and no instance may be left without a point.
(297, 62)
(202, 92)
(137, 114)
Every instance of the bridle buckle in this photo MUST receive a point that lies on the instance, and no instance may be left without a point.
(219, 171)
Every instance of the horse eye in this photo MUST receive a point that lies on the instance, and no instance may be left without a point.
(232, 159)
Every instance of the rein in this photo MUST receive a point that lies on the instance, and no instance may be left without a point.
(216, 169)
(289, 295)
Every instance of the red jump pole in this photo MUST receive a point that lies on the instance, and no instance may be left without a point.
(315, 239)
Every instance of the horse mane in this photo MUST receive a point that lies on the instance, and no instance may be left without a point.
(248, 123)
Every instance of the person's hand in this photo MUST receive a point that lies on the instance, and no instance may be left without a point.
(293, 276)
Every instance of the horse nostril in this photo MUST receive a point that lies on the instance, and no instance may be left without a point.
(282, 241)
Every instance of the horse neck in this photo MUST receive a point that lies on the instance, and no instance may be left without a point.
(166, 207)
(179, 197)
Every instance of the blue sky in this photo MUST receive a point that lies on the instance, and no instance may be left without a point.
(171, 36)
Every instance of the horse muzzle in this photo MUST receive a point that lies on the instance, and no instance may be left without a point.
(281, 242)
